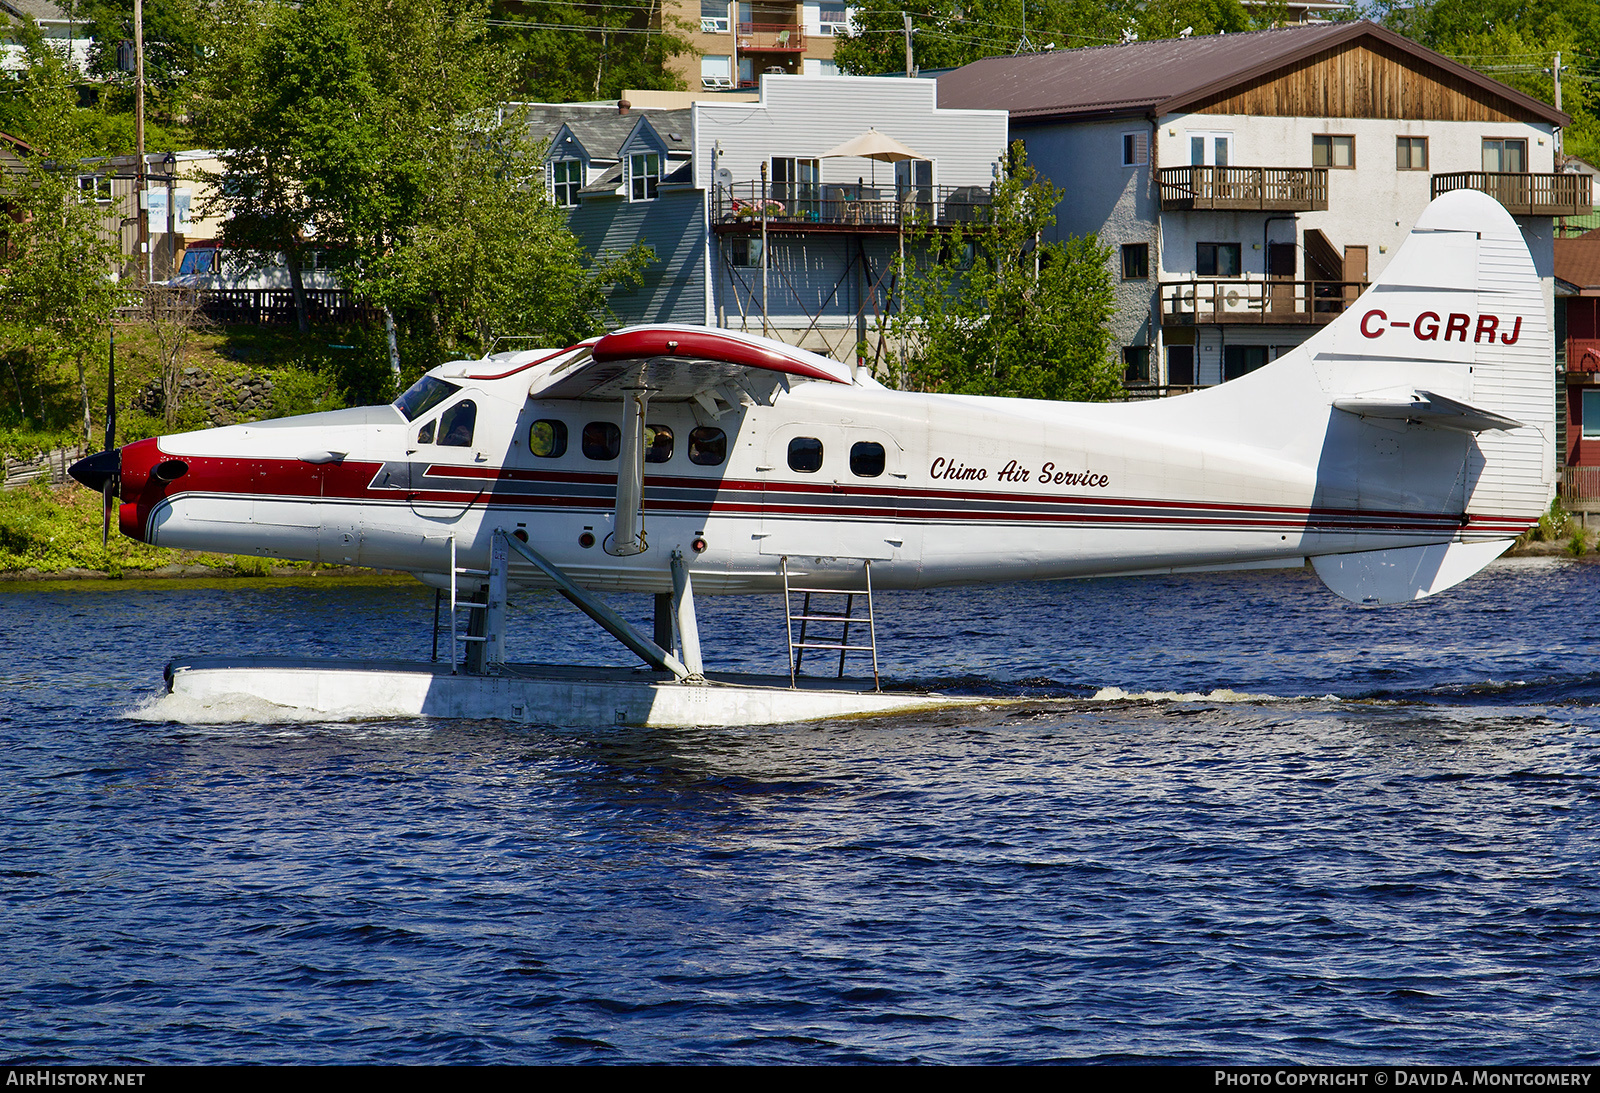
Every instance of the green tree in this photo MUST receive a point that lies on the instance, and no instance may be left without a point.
(373, 130)
(59, 298)
(998, 309)
(951, 33)
(561, 52)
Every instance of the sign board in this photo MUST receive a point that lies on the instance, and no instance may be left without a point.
(156, 203)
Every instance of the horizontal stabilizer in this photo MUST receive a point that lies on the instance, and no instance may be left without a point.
(1427, 408)
(1375, 577)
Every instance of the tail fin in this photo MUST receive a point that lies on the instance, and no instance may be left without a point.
(1452, 340)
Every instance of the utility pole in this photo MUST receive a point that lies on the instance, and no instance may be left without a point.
(907, 17)
(143, 199)
(1555, 76)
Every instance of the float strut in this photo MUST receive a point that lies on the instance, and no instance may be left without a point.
(683, 614)
(613, 623)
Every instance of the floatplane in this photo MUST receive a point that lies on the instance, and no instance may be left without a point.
(1399, 450)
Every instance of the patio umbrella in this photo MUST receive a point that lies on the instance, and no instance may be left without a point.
(873, 145)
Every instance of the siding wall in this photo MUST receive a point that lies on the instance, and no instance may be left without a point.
(674, 285)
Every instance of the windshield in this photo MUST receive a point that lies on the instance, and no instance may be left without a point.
(423, 396)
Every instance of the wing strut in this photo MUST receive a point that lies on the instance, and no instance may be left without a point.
(627, 531)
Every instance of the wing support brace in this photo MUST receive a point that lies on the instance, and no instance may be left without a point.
(613, 623)
(1427, 408)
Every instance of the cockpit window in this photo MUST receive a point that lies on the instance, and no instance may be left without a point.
(455, 424)
(423, 396)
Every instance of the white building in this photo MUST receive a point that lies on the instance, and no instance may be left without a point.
(834, 224)
(1250, 184)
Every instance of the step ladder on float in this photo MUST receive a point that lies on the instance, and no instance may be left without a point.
(828, 612)
(479, 682)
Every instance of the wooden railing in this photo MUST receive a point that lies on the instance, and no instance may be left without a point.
(276, 305)
(1526, 194)
(1579, 484)
(1273, 189)
(772, 37)
(1238, 301)
(801, 206)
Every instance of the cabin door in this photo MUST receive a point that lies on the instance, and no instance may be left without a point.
(833, 492)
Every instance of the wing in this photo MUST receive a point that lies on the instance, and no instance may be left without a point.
(677, 363)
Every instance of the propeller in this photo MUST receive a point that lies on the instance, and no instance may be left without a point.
(103, 470)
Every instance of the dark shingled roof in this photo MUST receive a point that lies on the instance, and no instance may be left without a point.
(602, 130)
(1170, 74)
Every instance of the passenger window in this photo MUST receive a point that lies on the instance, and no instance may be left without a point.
(866, 459)
(547, 438)
(602, 440)
(708, 446)
(455, 424)
(425, 434)
(657, 443)
(805, 454)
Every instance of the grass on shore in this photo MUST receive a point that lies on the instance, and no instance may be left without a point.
(57, 528)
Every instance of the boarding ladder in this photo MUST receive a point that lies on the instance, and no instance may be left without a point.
(830, 614)
(458, 637)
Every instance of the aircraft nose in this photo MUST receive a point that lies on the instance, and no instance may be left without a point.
(96, 470)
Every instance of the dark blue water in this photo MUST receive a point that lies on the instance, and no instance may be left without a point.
(1350, 836)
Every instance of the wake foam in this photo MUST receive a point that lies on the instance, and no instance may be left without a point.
(238, 709)
(1221, 694)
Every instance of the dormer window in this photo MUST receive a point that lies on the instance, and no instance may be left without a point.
(644, 176)
(566, 179)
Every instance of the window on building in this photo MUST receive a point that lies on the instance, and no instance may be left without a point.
(1210, 149)
(796, 183)
(1180, 365)
(1136, 366)
(1505, 156)
(644, 176)
(1135, 149)
(566, 179)
(1589, 407)
(547, 438)
(1240, 359)
(95, 188)
(1333, 151)
(456, 424)
(657, 443)
(832, 19)
(602, 440)
(714, 16)
(745, 251)
(1411, 153)
(1216, 259)
(805, 454)
(716, 73)
(913, 180)
(866, 459)
(1136, 261)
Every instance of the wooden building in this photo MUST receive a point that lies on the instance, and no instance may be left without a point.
(1251, 184)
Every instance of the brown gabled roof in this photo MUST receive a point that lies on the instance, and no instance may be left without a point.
(1171, 74)
(1578, 262)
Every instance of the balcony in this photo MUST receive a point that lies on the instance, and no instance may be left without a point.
(852, 207)
(1525, 194)
(1302, 303)
(771, 38)
(1264, 189)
